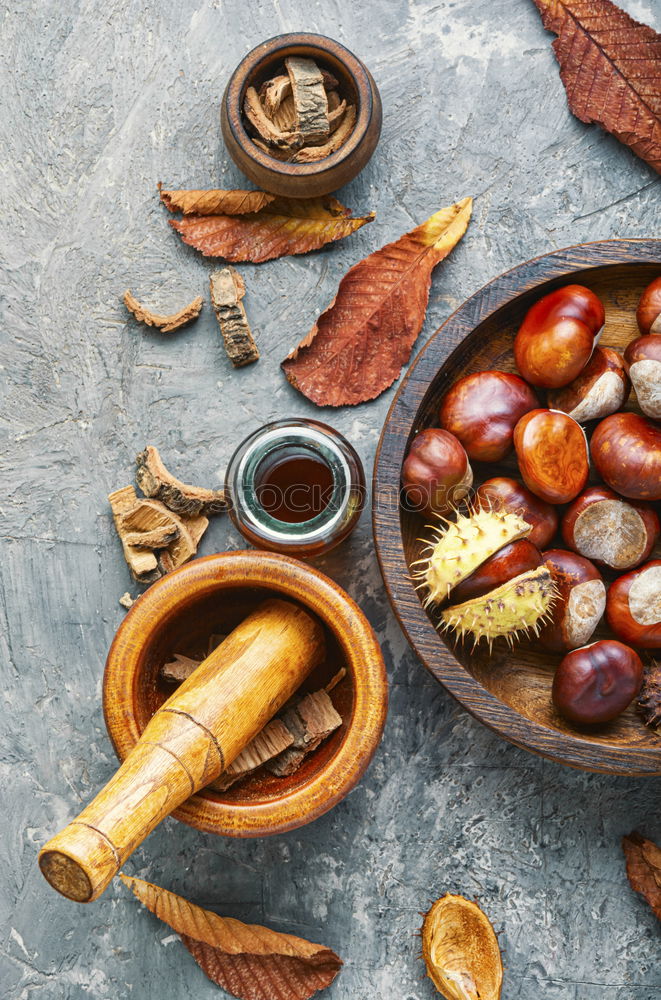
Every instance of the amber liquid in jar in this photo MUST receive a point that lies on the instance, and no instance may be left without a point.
(294, 487)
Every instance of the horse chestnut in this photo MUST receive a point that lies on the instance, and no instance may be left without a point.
(643, 360)
(633, 608)
(510, 561)
(597, 682)
(614, 532)
(601, 388)
(581, 601)
(502, 493)
(481, 410)
(553, 455)
(649, 309)
(626, 449)
(558, 335)
(436, 473)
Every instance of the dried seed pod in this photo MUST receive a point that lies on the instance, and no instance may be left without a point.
(633, 606)
(461, 950)
(458, 549)
(613, 531)
(601, 388)
(649, 699)
(516, 609)
(643, 360)
(649, 309)
(581, 601)
(510, 561)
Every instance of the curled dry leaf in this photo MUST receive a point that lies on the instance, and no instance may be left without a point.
(611, 68)
(249, 961)
(216, 202)
(461, 950)
(284, 226)
(166, 324)
(358, 346)
(643, 860)
(155, 481)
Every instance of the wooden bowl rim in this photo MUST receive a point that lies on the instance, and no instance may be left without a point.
(290, 578)
(565, 748)
(365, 90)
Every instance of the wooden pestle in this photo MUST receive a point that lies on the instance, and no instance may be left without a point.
(188, 742)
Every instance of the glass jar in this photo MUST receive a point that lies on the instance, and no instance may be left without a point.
(295, 486)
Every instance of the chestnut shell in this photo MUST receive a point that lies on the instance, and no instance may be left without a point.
(510, 561)
(596, 683)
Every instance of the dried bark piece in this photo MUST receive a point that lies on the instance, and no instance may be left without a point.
(227, 290)
(166, 324)
(148, 525)
(461, 952)
(310, 721)
(358, 346)
(185, 545)
(273, 739)
(215, 202)
(179, 668)
(142, 562)
(264, 127)
(611, 68)
(643, 860)
(155, 481)
(309, 95)
(344, 129)
(284, 119)
(249, 961)
(285, 226)
(126, 600)
(274, 92)
(278, 154)
(649, 699)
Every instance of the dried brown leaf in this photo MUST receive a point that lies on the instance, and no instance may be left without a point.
(166, 324)
(358, 346)
(643, 860)
(611, 68)
(285, 226)
(249, 961)
(216, 202)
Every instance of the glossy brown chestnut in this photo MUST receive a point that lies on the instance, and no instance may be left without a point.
(626, 450)
(643, 360)
(602, 388)
(596, 683)
(613, 531)
(482, 410)
(581, 601)
(552, 452)
(436, 473)
(633, 608)
(557, 337)
(511, 495)
(512, 560)
(649, 309)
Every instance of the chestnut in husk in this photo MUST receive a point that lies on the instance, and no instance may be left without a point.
(633, 608)
(649, 309)
(643, 360)
(626, 450)
(436, 473)
(503, 493)
(609, 529)
(482, 410)
(581, 603)
(552, 451)
(597, 682)
(510, 561)
(558, 335)
(602, 388)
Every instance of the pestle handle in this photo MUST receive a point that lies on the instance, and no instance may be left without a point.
(188, 742)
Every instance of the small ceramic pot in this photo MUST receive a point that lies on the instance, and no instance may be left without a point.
(302, 180)
(211, 596)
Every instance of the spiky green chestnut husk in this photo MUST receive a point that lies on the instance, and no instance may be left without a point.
(461, 546)
(516, 609)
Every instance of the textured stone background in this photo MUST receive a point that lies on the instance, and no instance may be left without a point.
(101, 100)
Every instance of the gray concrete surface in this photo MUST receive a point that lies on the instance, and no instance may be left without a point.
(100, 101)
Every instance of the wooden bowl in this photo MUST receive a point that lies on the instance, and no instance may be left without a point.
(212, 595)
(509, 691)
(302, 180)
